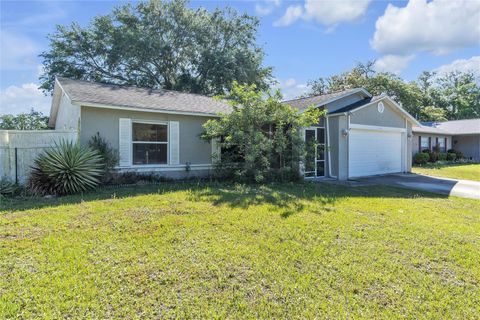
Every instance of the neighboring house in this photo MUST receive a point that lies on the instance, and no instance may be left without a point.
(158, 130)
(460, 135)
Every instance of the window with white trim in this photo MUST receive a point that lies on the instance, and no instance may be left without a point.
(149, 143)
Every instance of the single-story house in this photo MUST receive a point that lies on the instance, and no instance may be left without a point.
(460, 135)
(158, 130)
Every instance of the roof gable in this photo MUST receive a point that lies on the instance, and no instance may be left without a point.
(366, 102)
(321, 100)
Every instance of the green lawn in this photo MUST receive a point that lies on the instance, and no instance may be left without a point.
(216, 251)
(469, 171)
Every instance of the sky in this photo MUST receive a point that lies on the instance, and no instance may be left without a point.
(303, 40)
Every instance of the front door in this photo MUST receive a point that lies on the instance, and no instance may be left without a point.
(315, 158)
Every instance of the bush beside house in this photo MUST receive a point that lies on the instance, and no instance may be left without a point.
(260, 139)
(422, 158)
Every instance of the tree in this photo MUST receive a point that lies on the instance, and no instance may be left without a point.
(363, 75)
(159, 44)
(458, 93)
(24, 121)
(260, 139)
(432, 114)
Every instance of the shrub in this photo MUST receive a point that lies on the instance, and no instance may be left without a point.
(433, 157)
(7, 187)
(131, 177)
(451, 156)
(261, 138)
(442, 156)
(459, 155)
(109, 155)
(421, 158)
(66, 169)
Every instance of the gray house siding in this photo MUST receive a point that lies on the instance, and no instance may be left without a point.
(342, 148)
(410, 140)
(469, 145)
(371, 117)
(106, 122)
(333, 147)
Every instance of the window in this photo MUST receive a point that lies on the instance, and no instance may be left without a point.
(441, 144)
(424, 144)
(150, 143)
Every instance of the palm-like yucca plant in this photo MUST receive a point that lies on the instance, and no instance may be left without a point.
(7, 187)
(66, 169)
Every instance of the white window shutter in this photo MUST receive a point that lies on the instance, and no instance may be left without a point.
(125, 142)
(174, 141)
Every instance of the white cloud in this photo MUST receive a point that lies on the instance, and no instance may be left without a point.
(17, 52)
(291, 89)
(461, 65)
(438, 26)
(266, 7)
(393, 63)
(18, 99)
(292, 14)
(328, 13)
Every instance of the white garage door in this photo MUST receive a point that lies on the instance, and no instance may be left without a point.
(374, 152)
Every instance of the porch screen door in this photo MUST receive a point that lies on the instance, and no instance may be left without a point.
(315, 158)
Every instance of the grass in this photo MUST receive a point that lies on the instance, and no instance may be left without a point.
(219, 250)
(468, 171)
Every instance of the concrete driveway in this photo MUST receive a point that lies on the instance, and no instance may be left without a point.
(445, 186)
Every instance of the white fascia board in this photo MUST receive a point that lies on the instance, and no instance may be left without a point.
(107, 106)
(56, 99)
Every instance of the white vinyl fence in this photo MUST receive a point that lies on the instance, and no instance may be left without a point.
(19, 148)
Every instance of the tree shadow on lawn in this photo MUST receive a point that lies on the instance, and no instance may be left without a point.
(287, 198)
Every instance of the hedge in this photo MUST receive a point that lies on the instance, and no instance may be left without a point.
(421, 158)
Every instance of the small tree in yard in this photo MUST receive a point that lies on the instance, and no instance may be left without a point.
(261, 138)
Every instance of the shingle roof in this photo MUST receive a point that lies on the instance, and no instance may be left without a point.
(428, 129)
(303, 103)
(140, 98)
(455, 127)
(358, 104)
(467, 126)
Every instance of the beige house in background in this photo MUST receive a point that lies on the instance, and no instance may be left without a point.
(158, 130)
(460, 135)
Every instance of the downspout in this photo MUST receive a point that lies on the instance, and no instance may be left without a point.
(328, 150)
(348, 145)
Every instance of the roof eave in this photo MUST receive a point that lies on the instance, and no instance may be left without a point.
(120, 107)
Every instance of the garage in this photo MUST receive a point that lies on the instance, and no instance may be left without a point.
(373, 152)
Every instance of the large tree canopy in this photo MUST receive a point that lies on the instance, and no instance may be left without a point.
(24, 121)
(432, 97)
(159, 44)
